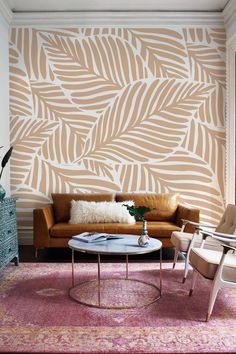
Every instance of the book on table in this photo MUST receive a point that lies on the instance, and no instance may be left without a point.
(95, 237)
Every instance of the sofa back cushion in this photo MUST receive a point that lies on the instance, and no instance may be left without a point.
(165, 204)
(62, 202)
(84, 212)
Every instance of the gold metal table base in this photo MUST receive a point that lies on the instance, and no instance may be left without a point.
(100, 283)
(87, 297)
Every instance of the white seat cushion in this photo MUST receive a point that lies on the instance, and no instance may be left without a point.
(206, 261)
(181, 241)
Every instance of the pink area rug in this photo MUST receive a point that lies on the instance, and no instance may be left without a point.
(37, 316)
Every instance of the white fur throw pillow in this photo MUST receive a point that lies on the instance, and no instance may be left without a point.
(83, 212)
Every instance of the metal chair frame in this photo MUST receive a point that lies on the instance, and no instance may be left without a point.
(218, 281)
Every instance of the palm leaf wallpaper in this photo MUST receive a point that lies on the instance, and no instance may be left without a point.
(118, 109)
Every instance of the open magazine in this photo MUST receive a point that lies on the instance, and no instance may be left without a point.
(95, 237)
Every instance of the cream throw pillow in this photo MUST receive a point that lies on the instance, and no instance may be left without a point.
(83, 212)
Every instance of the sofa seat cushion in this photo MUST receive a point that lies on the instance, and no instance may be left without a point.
(165, 205)
(156, 229)
(69, 230)
(62, 202)
(207, 261)
(181, 241)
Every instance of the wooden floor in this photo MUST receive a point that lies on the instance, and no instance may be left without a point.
(27, 254)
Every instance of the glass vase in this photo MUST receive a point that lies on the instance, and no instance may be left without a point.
(143, 240)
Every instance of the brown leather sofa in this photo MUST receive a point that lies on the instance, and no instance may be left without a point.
(51, 227)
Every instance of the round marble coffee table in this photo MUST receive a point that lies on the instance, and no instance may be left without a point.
(127, 246)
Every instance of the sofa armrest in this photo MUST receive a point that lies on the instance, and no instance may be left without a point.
(43, 220)
(187, 213)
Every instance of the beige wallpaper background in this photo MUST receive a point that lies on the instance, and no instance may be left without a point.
(118, 109)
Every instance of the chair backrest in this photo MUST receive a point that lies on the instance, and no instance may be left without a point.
(227, 223)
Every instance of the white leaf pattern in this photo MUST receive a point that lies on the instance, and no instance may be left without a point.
(147, 121)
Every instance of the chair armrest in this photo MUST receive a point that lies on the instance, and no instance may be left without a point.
(228, 248)
(187, 213)
(203, 228)
(221, 234)
(224, 237)
(43, 220)
(220, 237)
(199, 225)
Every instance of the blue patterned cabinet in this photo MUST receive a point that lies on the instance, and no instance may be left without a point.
(8, 232)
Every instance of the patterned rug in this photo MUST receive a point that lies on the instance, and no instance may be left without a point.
(38, 316)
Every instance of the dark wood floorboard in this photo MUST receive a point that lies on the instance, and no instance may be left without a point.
(27, 254)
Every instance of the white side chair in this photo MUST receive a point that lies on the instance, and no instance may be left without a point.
(219, 267)
(183, 242)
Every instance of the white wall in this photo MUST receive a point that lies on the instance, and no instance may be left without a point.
(230, 26)
(4, 97)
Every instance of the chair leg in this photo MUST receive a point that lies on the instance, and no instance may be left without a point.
(214, 291)
(175, 257)
(186, 269)
(195, 274)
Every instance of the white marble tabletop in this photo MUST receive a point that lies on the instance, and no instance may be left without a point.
(126, 245)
